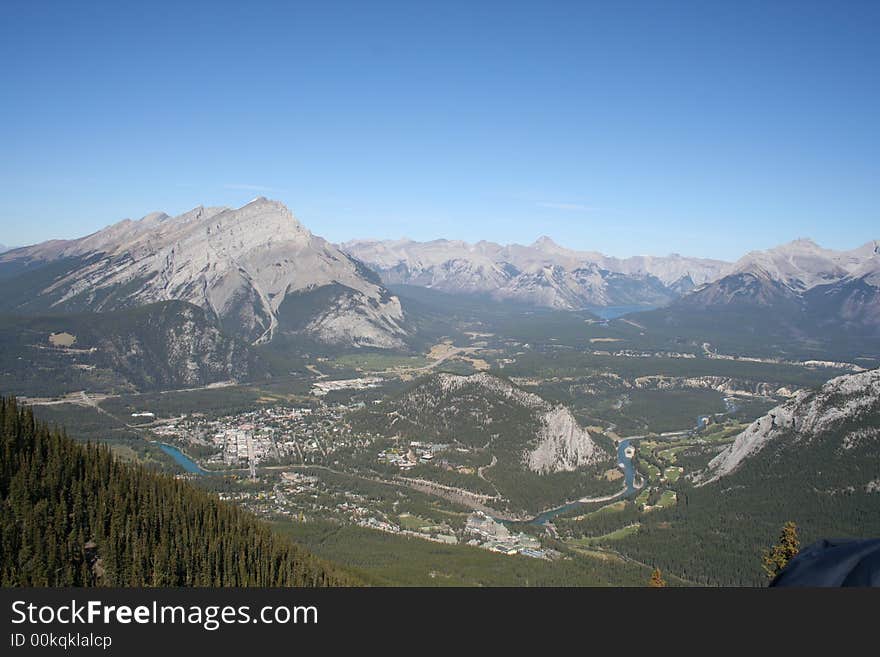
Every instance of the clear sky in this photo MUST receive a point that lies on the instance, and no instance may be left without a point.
(627, 127)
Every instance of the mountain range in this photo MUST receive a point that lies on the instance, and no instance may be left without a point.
(546, 274)
(542, 274)
(256, 269)
(795, 293)
(223, 280)
(798, 270)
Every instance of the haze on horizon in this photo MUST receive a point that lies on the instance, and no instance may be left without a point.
(706, 129)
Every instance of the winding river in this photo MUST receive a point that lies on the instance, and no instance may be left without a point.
(628, 478)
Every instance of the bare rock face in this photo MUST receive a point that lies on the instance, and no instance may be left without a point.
(563, 445)
(238, 264)
(849, 400)
(360, 321)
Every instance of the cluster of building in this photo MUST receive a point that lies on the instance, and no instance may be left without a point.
(490, 534)
(631, 353)
(438, 534)
(416, 453)
(321, 388)
(295, 495)
(279, 434)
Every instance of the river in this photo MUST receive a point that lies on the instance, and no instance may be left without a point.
(182, 459)
(628, 478)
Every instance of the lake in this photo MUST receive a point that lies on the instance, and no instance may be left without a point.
(613, 312)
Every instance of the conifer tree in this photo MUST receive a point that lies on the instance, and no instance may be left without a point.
(777, 557)
(657, 580)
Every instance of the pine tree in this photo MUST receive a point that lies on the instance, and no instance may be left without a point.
(657, 580)
(777, 557)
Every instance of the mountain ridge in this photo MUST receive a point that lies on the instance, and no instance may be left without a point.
(795, 297)
(239, 264)
(542, 274)
(808, 416)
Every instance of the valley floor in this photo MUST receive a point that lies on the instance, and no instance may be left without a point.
(298, 451)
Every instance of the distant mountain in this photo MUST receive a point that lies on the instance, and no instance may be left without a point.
(542, 274)
(3, 248)
(854, 300)
(794, 293)
(840, 422)
(798, 266)
(255, 269)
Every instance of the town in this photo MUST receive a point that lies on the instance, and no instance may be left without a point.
(269, 458)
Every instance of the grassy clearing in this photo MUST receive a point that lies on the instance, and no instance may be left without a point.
(667, 499)
(651, 471)
(668, 455)
(613, 474)
(616, 535)
(605, 510)
(673, 473)
(724, 432)
(414, 523)
(376, 362)
(62, 339)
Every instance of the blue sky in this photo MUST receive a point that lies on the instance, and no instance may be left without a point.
(627, 127)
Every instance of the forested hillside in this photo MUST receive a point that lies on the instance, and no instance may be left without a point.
(71, 515)
(814, 460)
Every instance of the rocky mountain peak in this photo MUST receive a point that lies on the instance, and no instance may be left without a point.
(801, 244)
(546, 243)
(240, 264)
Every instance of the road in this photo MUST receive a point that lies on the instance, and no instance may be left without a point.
(481, 475)
(90, 399)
